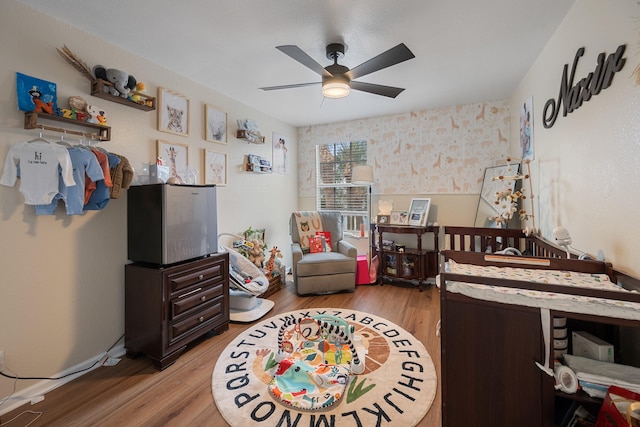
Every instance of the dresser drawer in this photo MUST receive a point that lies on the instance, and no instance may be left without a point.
(199, 296)
(194, 276)
(213, 313)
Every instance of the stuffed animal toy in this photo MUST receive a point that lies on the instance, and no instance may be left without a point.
(256, 254)
(123, 83)
(79, 108)
(94, 112)
(139, 95)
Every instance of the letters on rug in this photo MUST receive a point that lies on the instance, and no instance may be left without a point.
(397, 387)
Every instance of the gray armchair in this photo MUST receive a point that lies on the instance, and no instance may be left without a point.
(323, 272)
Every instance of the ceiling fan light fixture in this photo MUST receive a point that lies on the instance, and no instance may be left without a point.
(335, 87)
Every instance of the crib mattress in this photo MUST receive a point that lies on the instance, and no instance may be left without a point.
(543, 299)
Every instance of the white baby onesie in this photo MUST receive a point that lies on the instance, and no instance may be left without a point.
(38, 162)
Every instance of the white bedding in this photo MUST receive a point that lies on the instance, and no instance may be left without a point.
(542, 299)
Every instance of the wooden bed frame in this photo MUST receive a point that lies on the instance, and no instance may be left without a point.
(488, 348)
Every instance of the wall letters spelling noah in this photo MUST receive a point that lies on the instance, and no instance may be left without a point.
(574, 95)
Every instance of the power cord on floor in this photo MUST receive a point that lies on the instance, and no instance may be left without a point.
(38, 413)
(16, 378)
(62, 376)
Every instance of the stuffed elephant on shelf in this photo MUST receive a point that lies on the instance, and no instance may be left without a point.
(123, 83)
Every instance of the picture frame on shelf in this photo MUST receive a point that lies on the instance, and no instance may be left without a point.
(383, 219)
(173, 112)
(418, 212)
(176, 156)
(215, 167)
(399, 217)
(215, 124)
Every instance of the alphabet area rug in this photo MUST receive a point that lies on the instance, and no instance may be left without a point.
(397, 387)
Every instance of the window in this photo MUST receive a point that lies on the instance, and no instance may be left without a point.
(334, 189)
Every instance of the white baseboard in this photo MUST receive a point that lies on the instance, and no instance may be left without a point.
(36, 392)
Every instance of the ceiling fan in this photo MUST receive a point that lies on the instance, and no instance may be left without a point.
(338, 80)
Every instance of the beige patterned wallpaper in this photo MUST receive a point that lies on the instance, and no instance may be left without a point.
(438, 151)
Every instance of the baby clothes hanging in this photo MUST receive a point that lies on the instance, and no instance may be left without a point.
(121, 176)
(84, 164)
(100, 195)
(38, 161)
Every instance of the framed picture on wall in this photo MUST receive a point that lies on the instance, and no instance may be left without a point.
(526, 129)
(215, 167)
(418, 212)
(280, 154)
(215, 124)
(176, 156)
(173, 112)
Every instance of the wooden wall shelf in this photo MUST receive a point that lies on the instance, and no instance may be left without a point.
(33, 120)
(147, 103)
(245, 136)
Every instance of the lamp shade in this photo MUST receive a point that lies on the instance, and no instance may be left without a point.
(335, 86)
(362, 174)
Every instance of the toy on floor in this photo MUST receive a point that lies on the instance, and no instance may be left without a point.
(272, 262)
(316, 357)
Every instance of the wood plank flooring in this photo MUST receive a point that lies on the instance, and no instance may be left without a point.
(134, 393)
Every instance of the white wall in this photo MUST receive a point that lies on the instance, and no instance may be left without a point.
(61, 277)
(587, 167)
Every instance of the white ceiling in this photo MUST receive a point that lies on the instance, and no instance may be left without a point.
(467, 51)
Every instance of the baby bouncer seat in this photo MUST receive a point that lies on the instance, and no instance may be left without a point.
(246, 283)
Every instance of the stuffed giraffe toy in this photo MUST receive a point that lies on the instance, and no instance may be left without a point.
(275, 253)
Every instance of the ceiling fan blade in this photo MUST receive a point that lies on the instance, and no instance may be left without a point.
(393, 56)
(299, 55)
(289, 86)
(388, 91)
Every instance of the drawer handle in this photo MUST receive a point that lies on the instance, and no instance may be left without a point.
(189, 293)
(203, 298)
(201, 319)
(200, 277)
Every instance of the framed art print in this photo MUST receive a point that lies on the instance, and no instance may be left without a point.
(383, 219)
(215, 167)
(419, 211)
(399, 217)
(280, 154)
(215, 124)
(173, 112)
(176, 156)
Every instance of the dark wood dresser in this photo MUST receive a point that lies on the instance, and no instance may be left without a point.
(167, 307)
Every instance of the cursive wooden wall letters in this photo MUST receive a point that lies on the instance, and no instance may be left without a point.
(572, 96)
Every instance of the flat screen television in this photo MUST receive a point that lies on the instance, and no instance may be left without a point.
(168, 224)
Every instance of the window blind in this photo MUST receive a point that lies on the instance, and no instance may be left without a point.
(335, 192)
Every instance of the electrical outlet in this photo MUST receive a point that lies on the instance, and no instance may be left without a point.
(1, 360)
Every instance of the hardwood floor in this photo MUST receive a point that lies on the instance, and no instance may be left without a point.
(134, 393)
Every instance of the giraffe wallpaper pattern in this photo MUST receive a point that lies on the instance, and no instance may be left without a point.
(436, 151)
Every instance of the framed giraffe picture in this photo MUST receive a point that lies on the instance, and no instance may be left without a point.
(176, 156)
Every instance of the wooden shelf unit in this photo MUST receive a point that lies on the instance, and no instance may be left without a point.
(97, 90)
(33, 120)
(414, 265)
(244, 135)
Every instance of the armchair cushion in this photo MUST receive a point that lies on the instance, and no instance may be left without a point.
(325, 263)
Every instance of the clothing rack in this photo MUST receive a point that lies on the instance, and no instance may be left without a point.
(32, 121)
